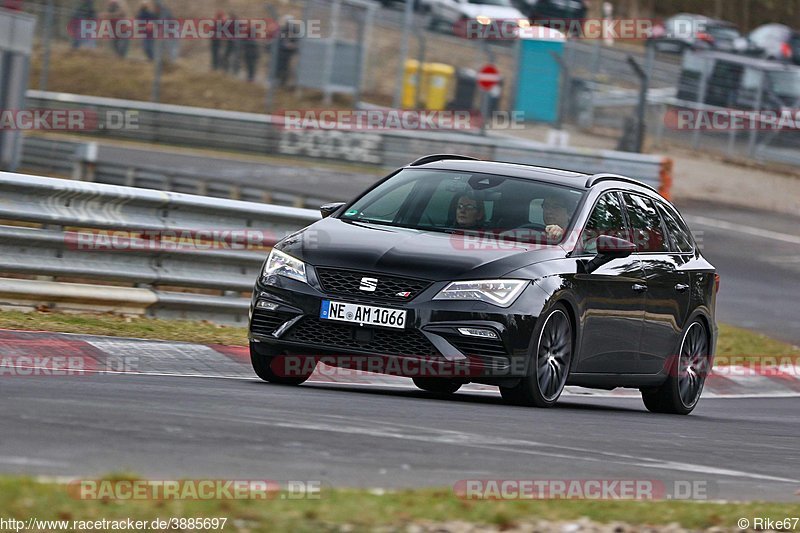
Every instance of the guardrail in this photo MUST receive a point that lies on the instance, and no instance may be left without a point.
(79, 160)
(265, 134)
(156, 250)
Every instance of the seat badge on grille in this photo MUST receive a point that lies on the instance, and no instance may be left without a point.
(404, 294)
(368, 284)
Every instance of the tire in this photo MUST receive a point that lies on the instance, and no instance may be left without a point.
(438, 385)
(265, 359)
(549, 365)
(687, 374)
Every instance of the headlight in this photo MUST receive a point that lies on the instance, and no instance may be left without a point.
(483, 20)
(501, 292)
(285, 265)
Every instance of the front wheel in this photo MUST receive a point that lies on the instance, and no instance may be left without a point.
(438, 385)
(549, 363)
(267, 363)
(687, 374)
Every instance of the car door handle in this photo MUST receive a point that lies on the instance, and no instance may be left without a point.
(638, 287)
(681, 287)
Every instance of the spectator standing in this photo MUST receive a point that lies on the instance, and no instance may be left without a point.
(116, 10)
(250, 52)
(147, 14)
(84, 11)
(233, 49)
(287, 47)
(217, 42)
(170, 47)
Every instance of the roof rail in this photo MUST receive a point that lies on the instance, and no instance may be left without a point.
(597, 178)
(424, 160)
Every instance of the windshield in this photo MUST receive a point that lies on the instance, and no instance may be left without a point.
(491, 2)
(786, 84)
(448, 201)
(724, 33)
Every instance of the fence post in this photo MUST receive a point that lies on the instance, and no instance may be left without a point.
(85, 165)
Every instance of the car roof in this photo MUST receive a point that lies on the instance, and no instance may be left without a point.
(756, 62)
(700, 18)
(518, 170)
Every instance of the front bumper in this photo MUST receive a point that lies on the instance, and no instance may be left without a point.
(291, 325)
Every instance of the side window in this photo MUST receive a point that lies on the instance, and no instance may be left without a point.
(681, 241)
(606, 219)
(645, 223)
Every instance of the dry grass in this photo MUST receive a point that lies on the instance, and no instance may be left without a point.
(100, 73)
(192, 82)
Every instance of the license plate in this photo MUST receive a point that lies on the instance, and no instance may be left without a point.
(363, 314)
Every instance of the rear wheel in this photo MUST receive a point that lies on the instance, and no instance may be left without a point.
(549, 365)
(438, 385)
(687, 374)
(267, 362)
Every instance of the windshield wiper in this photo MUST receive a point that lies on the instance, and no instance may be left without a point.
(376, 222)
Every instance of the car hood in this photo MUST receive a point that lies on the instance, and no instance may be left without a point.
(410, 252)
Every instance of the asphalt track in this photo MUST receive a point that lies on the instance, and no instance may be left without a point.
(344, 435)
(379, 436)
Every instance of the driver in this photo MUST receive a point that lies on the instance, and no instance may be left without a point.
(469, 212)
(556, 216)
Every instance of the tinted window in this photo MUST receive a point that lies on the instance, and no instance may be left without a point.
(645, 223)
(724, 83)
(606, 219)
(448, 201)
(681, 241)
(386, 207)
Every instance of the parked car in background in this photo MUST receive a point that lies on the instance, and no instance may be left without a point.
(686, 31)
(733, 81)
(454, 15)
(542, 12)
(777, 41)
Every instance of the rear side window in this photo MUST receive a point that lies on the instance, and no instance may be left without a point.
(606, 219)
(681, 241)
(648, 234)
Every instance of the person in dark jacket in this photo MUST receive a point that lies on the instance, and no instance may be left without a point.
(84, 11)
(250, 53)
(286, 49)
(146, 13)
(217, 42)
(116, 10)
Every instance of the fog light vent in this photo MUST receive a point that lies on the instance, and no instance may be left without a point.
(478, 332)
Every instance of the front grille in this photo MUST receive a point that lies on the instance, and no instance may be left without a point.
(474, 346)
(334, 336)
(348, 283)
(266, 322)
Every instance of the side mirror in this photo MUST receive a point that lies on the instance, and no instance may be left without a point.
(329, 209)
(609, 248)
(614, 247)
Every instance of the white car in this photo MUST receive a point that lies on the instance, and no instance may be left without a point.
(460, 14)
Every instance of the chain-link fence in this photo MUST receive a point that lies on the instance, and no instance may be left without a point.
(735, 106)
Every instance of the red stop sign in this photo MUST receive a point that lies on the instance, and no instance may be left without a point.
(488, 77)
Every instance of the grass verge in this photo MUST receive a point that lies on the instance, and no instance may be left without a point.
(361, 510)
(118, 326)
(735, 344)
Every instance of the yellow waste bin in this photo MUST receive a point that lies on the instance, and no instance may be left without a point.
(410, 81)
(434, 89)
(437, 78)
